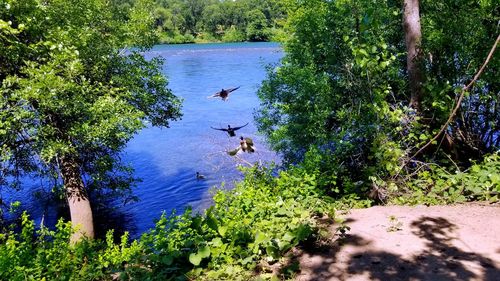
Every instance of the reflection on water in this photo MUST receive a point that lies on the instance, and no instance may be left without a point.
(167, 159)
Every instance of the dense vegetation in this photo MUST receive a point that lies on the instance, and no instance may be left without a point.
(353, 114)
(352, 103)
(187, 21)
(263, 217)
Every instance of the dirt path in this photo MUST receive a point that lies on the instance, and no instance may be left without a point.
(459, 242)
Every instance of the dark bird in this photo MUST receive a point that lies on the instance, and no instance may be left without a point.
(199, 176)
(246, 145)
(229, 130)
(224, 94)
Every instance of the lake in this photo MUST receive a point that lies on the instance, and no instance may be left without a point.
(167, 159)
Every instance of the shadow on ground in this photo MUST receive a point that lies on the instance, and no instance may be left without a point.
(439, 259)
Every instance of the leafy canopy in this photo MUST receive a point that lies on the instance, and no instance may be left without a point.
(73, 82)
(340, 98)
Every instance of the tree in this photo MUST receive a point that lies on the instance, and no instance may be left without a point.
(341, 100)
(74, 90)
(224, 20)
(257, 26)
(414, 58)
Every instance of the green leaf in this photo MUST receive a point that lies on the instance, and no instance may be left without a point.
(211, 222)
(204, 252)
(288, 236)
(272, 251)
(168, 259)
(217, 242)
(260, 237)
(222, 230)
(363, 52)
(195, 259)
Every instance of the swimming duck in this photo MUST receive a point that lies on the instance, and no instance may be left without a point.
(246, 145)
(224, 93)
(199, 176)
(229, 130)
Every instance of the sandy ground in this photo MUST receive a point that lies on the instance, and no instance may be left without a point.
(460, 242)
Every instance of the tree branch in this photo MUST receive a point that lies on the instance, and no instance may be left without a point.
(462, 94)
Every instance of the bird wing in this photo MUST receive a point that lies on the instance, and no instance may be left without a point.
(249, 141)
(237, 128)
(220, 129)
(234, 152)
(216, 95)
(232, 89)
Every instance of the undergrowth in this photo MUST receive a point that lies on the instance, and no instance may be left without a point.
(256, 223)
(436, 185)
(262, 218)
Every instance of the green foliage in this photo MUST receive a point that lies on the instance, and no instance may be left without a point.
(262, 218)
(214, 21)
(175, 38)
(257, 26)
(73, 84)
(338, 103)
(333, 119)
(436, 185)
(46, 255)
(233, 35)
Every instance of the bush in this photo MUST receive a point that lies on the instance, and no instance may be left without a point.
(47, 255)
(436, 185)
(175, 38)
(263, 217)
(233, 35)
(205, 37)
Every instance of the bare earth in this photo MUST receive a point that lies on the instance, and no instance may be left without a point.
(460, 242)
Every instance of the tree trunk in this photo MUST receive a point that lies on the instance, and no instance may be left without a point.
(78, 201)
(414, 60)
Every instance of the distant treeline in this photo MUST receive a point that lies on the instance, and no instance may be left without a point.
(187, 21)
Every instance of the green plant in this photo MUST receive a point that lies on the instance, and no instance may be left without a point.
(436, 185)
(342, 229)
(394, 224)
(233, 35)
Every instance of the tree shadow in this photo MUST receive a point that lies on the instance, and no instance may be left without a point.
(321, 258)
(325, 268)
(438, 260)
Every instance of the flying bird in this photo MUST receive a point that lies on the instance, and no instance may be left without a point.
(229, 130)
(246, 145)
(224, 93)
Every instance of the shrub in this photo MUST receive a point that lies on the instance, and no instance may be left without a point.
(233, 35)
(436, 185)
(263, 217)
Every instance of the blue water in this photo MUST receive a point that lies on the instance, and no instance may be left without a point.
(168, 159)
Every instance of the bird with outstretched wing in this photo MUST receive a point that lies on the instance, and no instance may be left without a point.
(224, 93)
(230, 130)
(246, 145)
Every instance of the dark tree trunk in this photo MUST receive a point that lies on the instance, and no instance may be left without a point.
(78, 201)
(413, 37)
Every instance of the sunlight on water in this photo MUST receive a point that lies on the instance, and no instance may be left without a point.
(168, 159)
